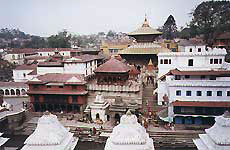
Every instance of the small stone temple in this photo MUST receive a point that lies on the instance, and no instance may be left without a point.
(129, 135)
(99, 109)
(217, 137)
(50, 134)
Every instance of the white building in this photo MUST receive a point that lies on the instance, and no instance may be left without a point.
(24, 72)
(99, 108)
(83, 64)
(195, 85)
(217, 137)
(129, 135)
(194, 58)
(50, 134)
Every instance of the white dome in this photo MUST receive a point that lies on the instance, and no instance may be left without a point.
(129, 134)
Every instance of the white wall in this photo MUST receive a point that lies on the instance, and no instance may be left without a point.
(18, 75)
(201, 60)
(44, 70)
(74, 68)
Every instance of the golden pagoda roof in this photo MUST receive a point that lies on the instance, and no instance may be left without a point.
(144, 48)
(150, 62)
(145, 29)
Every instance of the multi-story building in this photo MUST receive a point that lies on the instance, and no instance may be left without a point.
(195, 84)
(58, 92)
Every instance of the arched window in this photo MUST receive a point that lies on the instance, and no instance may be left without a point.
(97, 116)
(12, 92)
(18, 92)
(1, 92)
(23, 91)
(7, 92)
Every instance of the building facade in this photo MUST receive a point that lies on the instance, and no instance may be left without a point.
(58, 92)
(194, 84)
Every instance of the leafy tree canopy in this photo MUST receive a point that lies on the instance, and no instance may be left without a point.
(170, 28)
(210, 18)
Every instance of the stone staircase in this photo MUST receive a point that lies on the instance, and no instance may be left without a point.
(150, 99)
(175, 140)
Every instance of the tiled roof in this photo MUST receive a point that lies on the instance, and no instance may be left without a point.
(113, 65)
(34, 72)
(144, 48)
(33, 51)
(201, 104)
(222, 36)
(191, 42)
(12, 84)
(60, 78)
(26, 67)
(22, 51)
(199, 72)
(58, 92)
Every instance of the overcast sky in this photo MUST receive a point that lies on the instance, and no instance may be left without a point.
(47, 17)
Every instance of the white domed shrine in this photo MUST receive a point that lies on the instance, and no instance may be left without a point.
(217, 137)
(50, 134)
(129, 135)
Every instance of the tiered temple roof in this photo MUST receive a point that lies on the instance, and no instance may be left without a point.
(50, 134)
(129, 135)
(217, 137)
(145, 29)
(113, 66)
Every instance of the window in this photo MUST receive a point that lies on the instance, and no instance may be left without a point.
(198, 93)
(161, 61)
(220, 61)
(24, 75)
(188, 93)
(202, 77)
(168, 46)
(212, 78)
(74, 87)
(48, 86)
(215, 61)
(13, 57)
(209, 93)
(63, 54)
(199, 49)
(190, 62)
(228, 93)
(178, 93)
(40, 54)
(169, 61)
(211, 61)
(187, 76)
(219, 93)
(165, 61)
(61, 86)
(190, 50)
(177, 77)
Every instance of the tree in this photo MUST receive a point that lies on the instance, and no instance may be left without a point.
(210, 18)
(61, 40)
(170, 28)
(111, 33)
(35, 42)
